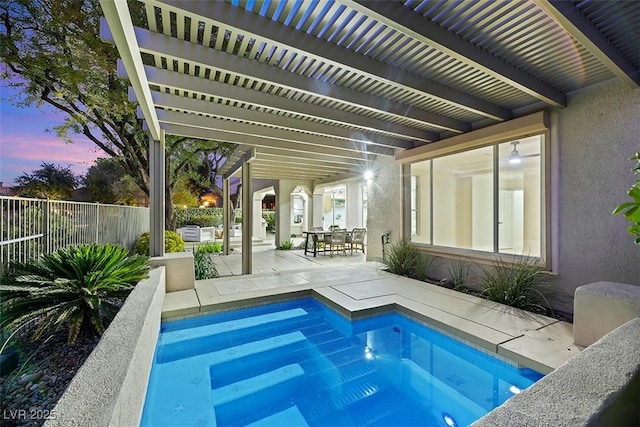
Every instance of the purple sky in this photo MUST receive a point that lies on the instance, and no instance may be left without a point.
(25, 142)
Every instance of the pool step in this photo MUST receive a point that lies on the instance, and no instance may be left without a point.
(235, 358)
(206, 339)
(290, 417)
(229, 326)
(259, 391)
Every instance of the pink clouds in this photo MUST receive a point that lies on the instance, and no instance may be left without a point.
(27, 152)
(25, 141)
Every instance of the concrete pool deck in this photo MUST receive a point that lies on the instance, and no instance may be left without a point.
(357, 289)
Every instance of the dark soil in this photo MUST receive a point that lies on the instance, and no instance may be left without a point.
(46, 367)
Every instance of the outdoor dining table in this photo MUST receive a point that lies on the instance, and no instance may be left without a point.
(315, 241)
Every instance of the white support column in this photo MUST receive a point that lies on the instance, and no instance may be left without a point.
(258, 230)
(156, 195)
(247, 219)
(318, 210)
(226, 215)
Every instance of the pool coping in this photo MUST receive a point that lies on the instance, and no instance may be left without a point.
(357, 291)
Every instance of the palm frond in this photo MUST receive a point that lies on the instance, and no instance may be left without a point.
(67, 286)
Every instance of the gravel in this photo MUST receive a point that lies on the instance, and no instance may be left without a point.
(31, 391)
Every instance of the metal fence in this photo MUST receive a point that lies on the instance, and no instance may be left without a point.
(31, 227)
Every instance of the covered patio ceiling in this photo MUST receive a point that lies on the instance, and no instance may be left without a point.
(318, 89)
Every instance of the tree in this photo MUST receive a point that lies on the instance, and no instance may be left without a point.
(185, 158)
(107, 182)
(50, 181)
(54, 54)
(101, 179)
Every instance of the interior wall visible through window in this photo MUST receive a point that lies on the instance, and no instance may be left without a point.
(487, 199)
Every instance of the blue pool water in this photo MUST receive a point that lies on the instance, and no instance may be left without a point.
(298, 363)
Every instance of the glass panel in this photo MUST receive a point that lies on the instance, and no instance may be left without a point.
(421, 202)
(334, 208)
(519, 199)
(463, 200)
(297, 213)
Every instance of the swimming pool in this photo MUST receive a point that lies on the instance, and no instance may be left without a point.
(299, 363)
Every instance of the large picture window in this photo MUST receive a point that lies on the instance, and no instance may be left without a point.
(486, 199)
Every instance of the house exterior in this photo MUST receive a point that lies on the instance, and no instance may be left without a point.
(488, 129)
(5, 190)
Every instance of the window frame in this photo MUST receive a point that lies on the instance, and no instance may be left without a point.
(534, 124)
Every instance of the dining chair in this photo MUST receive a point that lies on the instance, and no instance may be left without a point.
(357, 239)
(318, 238)
(337, 241)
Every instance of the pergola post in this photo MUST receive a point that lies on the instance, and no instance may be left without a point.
(247, 219)
(156, 195)
(226, 215)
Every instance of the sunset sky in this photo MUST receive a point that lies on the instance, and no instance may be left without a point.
(25, 142)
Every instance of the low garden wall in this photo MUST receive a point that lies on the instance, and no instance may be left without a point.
(110, 387)
(598, 387)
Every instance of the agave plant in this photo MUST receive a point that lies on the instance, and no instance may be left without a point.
(74, 286)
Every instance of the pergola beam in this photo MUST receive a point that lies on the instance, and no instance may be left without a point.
(159, 44)
(312, 142)
(408, 22)
(223, 136)
(222, 111)
(247, 157)
(580, 28)
(120, 31)
(256, 26)
(210, 88)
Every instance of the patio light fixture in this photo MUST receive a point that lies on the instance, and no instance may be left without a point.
(368, 175)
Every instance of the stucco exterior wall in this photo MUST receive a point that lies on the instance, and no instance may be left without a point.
(596, 135)
(384, 213)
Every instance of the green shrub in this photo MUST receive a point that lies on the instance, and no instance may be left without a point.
(74, 286)
(204, 266)
(172, 243)
(518, 283)
(193, 216)
(204, 221)
(210, 247)
(459, 272)
(401, 258)
(285, 246)
(270, 217)
(424, 262)
(631, 210)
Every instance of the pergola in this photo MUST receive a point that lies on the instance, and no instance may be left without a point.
(318, 90)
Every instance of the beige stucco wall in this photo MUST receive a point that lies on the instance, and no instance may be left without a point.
(384, 214)
(595, 135)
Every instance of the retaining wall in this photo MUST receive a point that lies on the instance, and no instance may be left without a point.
(110, 387)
